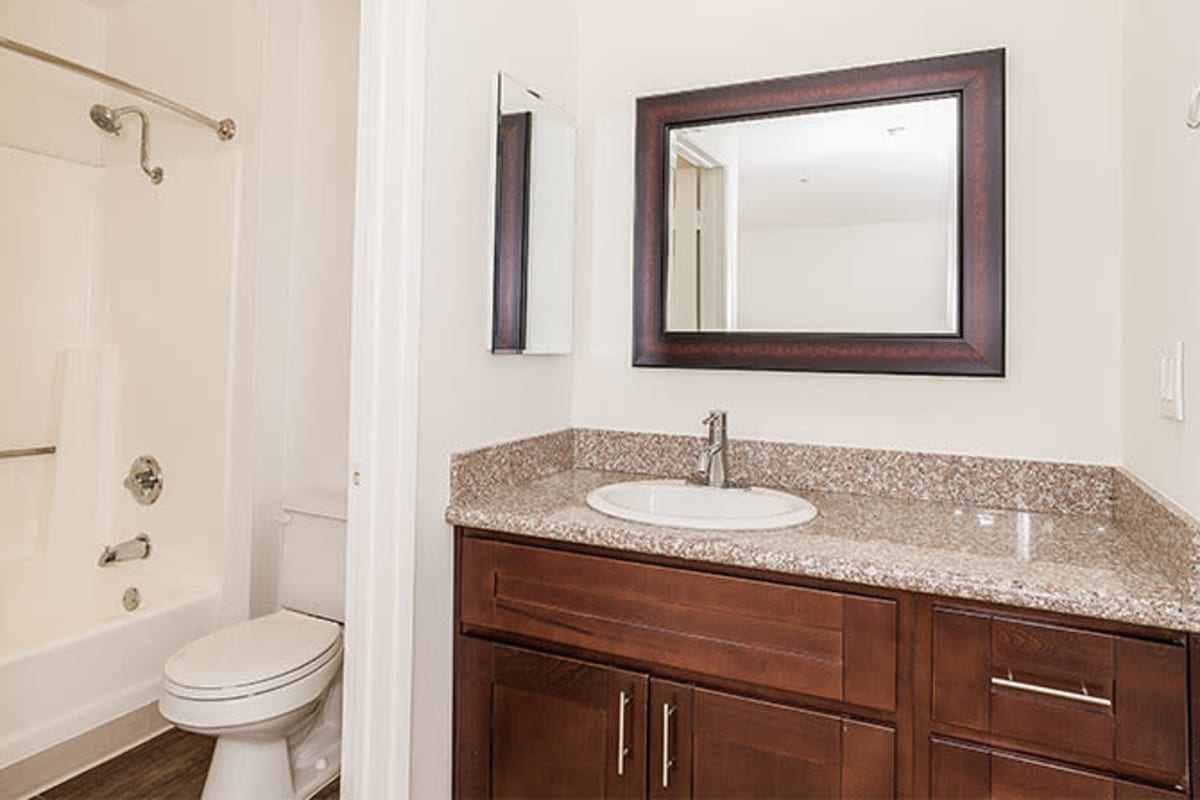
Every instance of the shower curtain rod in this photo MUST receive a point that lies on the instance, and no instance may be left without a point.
(225, 128)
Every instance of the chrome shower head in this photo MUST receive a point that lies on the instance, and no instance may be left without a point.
(105, 119)
(109, 120)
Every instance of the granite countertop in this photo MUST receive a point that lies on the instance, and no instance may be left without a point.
(1071, 563)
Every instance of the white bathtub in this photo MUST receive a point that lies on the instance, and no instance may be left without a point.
(72, 657)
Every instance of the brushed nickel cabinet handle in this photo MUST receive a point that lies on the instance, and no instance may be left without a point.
(1047, 691)
(622, 750)
(667, 763)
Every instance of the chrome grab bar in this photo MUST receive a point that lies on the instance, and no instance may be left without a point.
(1047, 691)
(25, 452)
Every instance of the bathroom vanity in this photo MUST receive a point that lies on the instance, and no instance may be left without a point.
(613, 675)
(602, 658)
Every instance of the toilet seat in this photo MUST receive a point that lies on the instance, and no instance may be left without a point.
(252, 658)
(267, 668)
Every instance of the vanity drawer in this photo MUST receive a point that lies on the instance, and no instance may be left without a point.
(1066, 690)
(819, 643)
(960, 770)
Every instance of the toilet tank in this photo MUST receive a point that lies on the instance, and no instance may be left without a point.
(312, 553)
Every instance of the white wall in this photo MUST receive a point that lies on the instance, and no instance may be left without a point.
(886, 276)
(47, 210)
(168, 46)
(303, 279)
(245, 249)
(164, 303)
(1061, 399)
(468, 397)
(46, 108)
(1162, 262)
(286, 72)
(120, 292)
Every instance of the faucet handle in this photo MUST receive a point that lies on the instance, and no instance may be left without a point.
(713, 416)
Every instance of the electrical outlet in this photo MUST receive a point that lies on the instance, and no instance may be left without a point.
(1170, 380)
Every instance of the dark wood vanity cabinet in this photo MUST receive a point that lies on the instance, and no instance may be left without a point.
(707, 744)
(531, 725)
(583, 673)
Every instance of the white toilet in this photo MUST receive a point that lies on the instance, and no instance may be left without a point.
(269, 689)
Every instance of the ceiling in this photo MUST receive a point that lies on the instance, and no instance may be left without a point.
(878, 163)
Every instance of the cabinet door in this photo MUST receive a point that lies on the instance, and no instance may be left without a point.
(710, 745)
(531, 725)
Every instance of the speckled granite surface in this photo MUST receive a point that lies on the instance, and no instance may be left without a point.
(1168, 535)
(992, 482)
(510, 464)
(1124, 563)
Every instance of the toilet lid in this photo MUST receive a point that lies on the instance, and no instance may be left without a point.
(254, 652)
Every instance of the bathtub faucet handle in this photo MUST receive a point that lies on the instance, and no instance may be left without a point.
(145, 480)
(137, 547)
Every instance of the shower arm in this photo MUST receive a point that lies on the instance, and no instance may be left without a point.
(225, 129)
(155, 174)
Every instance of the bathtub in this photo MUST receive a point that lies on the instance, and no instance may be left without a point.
(72, 657)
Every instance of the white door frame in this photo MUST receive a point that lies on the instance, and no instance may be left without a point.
(383, 400)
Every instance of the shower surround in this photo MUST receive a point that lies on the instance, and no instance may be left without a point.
(116, 340)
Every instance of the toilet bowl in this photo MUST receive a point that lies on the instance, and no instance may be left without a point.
(269, 689)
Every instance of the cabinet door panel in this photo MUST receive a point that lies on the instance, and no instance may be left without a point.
(539, 726)
(722, 746)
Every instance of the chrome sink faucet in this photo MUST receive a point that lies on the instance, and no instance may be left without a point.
(137, 547)
(712, 470)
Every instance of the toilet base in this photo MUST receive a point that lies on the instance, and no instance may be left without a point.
(249, 768)
(289, 758)
(316, 759)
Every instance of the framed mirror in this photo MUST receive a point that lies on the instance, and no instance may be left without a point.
(533, 230)
(847, 221)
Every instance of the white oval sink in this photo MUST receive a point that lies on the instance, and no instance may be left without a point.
(687, 505)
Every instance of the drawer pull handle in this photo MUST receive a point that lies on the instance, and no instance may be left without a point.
(622, 750)
(1033, 688)
(667, 763)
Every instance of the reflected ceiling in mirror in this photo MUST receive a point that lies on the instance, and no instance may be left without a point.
(842, 221)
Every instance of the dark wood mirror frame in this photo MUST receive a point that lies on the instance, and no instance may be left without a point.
(510, 267)
(977, 349)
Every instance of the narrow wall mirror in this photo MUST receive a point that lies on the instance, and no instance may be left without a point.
(533, 235)
(842, 221)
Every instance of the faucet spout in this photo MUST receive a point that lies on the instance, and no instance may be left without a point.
(712, 459)
(137, 547)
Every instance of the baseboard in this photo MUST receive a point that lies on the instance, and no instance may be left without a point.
(67, 759)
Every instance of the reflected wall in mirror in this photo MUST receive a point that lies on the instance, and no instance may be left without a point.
(533, 236)
(842, 221)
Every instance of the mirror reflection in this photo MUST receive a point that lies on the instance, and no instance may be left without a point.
(534, 216)
(833, 221)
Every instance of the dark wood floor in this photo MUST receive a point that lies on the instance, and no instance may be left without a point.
(168, 767)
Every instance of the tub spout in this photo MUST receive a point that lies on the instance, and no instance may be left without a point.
(137, 547)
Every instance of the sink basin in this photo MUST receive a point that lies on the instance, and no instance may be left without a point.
(686, 505)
